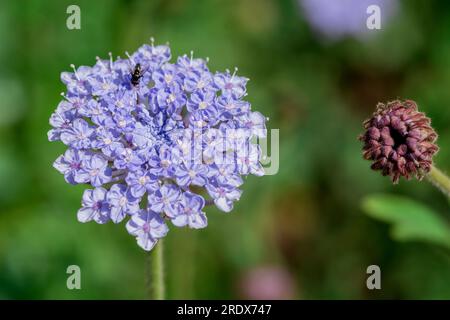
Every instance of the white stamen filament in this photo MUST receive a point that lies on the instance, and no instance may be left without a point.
(75, 71)
(234, 73)
(130, 58)
(100, 61)
(110, 60)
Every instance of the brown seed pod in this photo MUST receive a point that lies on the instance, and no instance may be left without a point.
(399, 140)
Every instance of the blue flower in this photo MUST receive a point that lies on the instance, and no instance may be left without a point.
(95, 170)
(188, 211)
(230, 84)
(203, 103)
(224, 194)
(158, 148)
(198, 81)
(147, 227)
(191, 174)
(121, 202)
(78, 135)
(230, 107)
(94, 206)
(77, 82)
(70, 164)
(247, 159)
(161, 199)
(61, 120)
(140, 182)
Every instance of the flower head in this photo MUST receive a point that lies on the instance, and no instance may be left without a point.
(399, 140)
(157, 147)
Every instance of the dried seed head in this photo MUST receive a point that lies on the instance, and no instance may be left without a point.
(399, 140)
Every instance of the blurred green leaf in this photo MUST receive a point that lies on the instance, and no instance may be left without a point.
(410, 219)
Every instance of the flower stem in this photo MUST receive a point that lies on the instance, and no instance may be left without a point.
(440, 180)
(157, 288)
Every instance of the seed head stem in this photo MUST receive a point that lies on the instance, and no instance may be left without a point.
(440, 180)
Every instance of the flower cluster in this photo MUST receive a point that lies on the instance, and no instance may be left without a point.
(156, 140)
(399, 140)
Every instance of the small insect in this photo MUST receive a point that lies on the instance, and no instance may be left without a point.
(136, 75)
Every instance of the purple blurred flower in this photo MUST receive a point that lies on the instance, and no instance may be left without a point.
(267, 283)
(147, 145)
(339, 18)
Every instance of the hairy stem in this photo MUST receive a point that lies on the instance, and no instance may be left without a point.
(440, 180)
(156, 265)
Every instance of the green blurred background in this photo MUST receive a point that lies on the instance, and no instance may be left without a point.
(300, 234)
